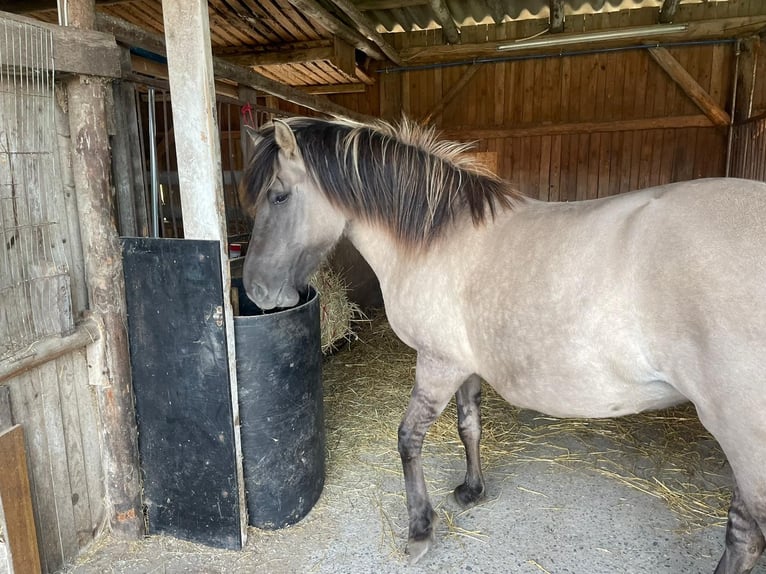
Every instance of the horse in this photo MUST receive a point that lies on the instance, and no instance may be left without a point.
(596, 308)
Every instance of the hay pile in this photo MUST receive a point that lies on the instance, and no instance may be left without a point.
(666, 454)
(337, 314)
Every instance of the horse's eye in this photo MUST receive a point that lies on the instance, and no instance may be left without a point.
(280, 198)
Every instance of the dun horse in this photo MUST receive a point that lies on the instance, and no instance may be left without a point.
(588, 309)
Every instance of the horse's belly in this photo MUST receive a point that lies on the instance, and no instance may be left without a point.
(585, 394)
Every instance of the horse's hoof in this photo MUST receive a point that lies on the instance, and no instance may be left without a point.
(467, 496)
(418, 548)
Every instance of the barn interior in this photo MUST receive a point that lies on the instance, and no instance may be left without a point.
(569, 100)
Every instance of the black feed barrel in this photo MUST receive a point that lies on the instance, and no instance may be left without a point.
(279, 377)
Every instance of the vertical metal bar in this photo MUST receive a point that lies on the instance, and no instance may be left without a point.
(153, 165)
(171, 189)
(61, 5)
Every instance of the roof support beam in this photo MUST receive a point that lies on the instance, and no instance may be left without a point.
(367, 29)
(444, 17)
(690, 86)
(316, 12)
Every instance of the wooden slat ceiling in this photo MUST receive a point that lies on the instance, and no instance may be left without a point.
(327, 45)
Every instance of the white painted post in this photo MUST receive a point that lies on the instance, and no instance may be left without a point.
(192, 89)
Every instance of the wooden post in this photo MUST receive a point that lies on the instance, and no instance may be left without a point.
(192, 89)
(106, 292)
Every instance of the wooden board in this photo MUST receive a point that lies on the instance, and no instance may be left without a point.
(181, 383)
(16, 499)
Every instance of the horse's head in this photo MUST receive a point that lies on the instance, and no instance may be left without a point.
(294, 223)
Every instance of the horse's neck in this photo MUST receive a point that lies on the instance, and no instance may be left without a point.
(377, 247)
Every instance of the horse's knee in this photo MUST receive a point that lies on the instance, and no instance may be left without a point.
(409, 444)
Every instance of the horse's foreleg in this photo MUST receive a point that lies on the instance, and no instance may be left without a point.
(435, 384)
(744, 539)
(468, 399)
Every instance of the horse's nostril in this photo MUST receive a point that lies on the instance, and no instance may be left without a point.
(256, 292)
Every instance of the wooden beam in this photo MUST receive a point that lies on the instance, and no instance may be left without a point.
(451, 94)
(303, 45)
(355, 88)
(77, 51)
(668, 11)
(45, 350)
(746, 78)
(135, 36)
(548, 129)
(367, 29)
(296, 56)
(557, 16)
(154, 69)
(444, 17)
(699, 30)
(28, 6)
(343, 57)
(91, 165)
(689, 85)
(321, 16)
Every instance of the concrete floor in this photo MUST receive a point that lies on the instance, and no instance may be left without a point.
(543, 514)
(538, 519)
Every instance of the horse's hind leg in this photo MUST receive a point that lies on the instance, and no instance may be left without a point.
(468, 399)
(744, 539)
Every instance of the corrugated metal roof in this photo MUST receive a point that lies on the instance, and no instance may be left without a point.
(473, 12)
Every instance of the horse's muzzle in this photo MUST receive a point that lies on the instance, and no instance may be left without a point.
(285, 297)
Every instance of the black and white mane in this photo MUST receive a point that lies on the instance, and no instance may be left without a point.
(401, 177)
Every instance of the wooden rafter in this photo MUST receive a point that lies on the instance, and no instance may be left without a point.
(367, 29)
(689, 85)
(444, 17)
(330, 23)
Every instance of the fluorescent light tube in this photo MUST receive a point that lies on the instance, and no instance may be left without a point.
(635, 32)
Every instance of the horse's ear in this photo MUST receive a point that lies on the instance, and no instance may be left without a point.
(252, 133)
(285, 138)
(249, 138)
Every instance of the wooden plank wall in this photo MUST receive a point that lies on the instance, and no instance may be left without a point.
(542, 116)
(57, 410)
